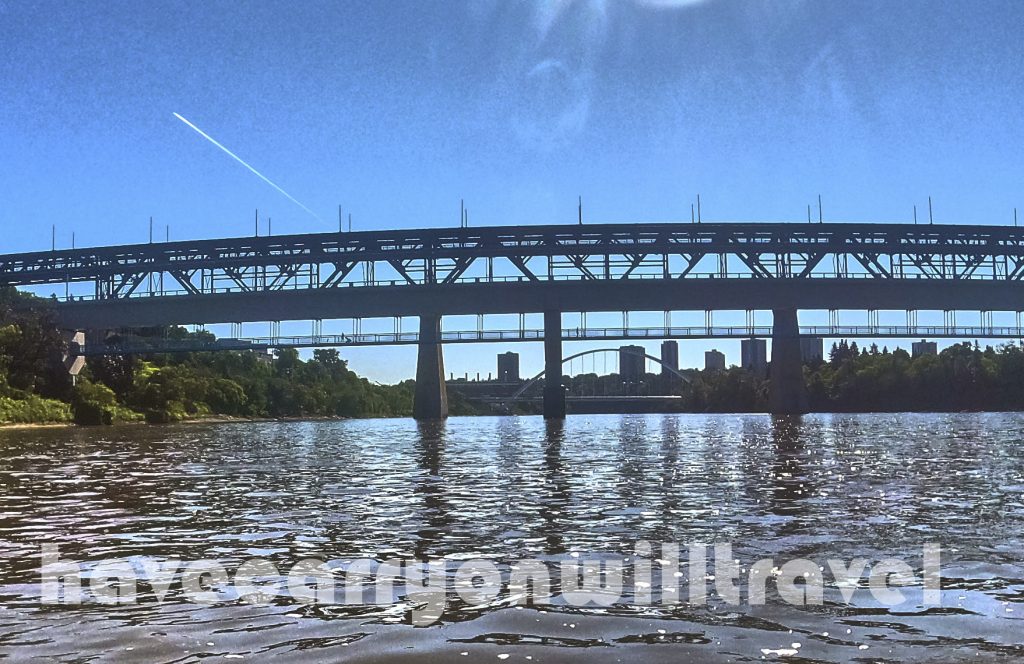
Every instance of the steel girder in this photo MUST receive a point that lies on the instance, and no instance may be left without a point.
(533, 253)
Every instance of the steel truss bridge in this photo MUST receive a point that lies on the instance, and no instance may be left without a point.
(608, 267)
(431, 273)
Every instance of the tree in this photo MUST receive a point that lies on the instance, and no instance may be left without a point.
(31, 345)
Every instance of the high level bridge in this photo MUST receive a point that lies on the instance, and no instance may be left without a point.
(430, 273)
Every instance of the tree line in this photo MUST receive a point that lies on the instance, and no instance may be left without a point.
(34, 387)
(964, 376)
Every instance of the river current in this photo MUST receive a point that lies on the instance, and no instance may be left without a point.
(508, 489)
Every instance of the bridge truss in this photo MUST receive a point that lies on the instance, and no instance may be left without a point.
(610, 252)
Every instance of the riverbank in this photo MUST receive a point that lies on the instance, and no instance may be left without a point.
(36, 425)
(206, 419)
(30, 409)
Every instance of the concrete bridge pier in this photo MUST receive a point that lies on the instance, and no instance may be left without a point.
(430, 401)
(787, 391)
(554, 393)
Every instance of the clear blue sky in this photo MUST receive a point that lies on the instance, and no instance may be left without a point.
(398, 109)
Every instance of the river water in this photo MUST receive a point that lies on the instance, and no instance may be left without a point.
(513, 488)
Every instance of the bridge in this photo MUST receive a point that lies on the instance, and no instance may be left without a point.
(599, 404)
(129, 344)
(554, 269)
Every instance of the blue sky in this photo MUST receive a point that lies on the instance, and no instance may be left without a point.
(396, 110)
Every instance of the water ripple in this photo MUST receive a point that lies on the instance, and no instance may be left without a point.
(843, 486)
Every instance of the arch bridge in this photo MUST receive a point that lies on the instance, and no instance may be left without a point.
(533, 381)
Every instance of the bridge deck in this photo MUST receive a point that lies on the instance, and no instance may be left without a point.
(606, 267)
(152, 345)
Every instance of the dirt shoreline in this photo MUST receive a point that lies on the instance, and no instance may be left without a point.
(211, 419)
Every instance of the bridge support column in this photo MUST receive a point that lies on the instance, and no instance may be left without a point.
(430, 401)
(554, 393)
(787, 391)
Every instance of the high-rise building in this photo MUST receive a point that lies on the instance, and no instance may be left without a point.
(812, 349)
(669, 357)
(631, 363)
(714, 360)
(923, 347)
(754, 356)
(508, 367)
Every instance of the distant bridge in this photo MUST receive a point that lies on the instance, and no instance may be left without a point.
(136, 345)
(430, 273)
(590, 404)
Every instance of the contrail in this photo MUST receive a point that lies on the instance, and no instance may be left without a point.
(242, 162)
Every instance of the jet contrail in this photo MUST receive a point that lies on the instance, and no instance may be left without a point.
(242, 162)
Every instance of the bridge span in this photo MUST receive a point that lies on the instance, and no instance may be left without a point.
(430, 273)
(129, 344)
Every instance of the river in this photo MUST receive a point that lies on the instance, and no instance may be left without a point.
(508, 489)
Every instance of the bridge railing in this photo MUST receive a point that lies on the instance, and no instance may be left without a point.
(130, 344)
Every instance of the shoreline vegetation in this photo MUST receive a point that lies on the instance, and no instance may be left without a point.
(35, 388)
(207, 419)
(162, 388)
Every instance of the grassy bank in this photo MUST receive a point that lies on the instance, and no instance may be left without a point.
(33, 409)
